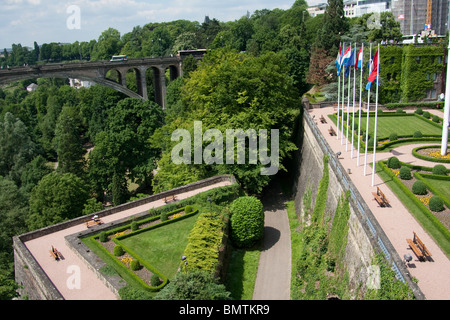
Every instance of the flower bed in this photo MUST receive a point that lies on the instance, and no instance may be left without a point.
(431, 153)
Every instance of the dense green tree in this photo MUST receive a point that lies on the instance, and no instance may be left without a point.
(68, 143)
(108, 44)
(193, 285)
(16, 147)
(56, 198)
(32, 173)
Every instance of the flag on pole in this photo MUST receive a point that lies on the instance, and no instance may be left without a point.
(374, 74)
(350, 62)
(346, 56)
(339, 61)
(359, 59)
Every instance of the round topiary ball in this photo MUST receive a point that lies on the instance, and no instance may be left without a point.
(247, 221)
(436, 204)
(393, 163)
(426, 114)
(436, 119)
(419, 187)
(135, 265)
(419, 111)
(405, 173)
(188, 209)
(417, 134)
(393, 137)
(118, 251)
(103, 237)
(155, 280)
(440, 169)
(134, 226)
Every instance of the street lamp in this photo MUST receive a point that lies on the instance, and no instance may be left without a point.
(184, 258)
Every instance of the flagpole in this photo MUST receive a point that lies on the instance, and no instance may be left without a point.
(348, 100)
(368, 110)
(339, 92)
(343, 103)
(376, 119)
(360, 104)
(353, 112)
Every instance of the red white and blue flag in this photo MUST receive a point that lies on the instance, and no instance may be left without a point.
(339, 61)
(346, 56)
(359, 59)
(374, 74)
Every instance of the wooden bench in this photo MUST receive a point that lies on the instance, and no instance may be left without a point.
(331, 131)
(380, 198)
(170, 198)
(418, 247)
(91, 222)
(322, 119)
(54, 253)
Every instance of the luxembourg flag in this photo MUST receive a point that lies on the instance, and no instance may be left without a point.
(346, 56)
(339, 61)
(359, 59)
(374, 74)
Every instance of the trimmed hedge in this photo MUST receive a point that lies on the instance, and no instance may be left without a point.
(420, 156)
(426, 212)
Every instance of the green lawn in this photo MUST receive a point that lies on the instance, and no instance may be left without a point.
(443, 186)
(401, 125)
(163, 247)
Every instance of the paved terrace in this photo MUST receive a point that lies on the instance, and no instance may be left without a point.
(396, 221)
(60, 272)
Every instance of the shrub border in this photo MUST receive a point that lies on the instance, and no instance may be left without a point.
(420, 156)
(424, 176)
(427, 213)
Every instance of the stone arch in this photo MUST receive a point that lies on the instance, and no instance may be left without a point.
(114, 75)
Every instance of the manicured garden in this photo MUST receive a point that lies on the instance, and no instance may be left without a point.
(393, 128)
(425, 191)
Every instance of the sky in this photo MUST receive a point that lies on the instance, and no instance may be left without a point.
(67, 21)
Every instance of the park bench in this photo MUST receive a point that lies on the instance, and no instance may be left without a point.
(380, 198)
(331, 131)
(418, 247)
(322, 119)
(55, 253)
(170, 198)
(91, 222)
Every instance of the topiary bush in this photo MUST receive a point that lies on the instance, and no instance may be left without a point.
(405, 173)
(135, 265)
(440, 169)
(436, 204)
(399, 110)
(134, 226)
(118, 251)
(393, 137)
(155, 280)
(417, 134)
(164, 216)
(247, 221)
(419, 188)
(103, 237)
(426, 114)
(419, 111)
(188, 209)
(393, 163)
(436, 119)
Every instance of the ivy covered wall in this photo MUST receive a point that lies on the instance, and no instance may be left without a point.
(411, 73)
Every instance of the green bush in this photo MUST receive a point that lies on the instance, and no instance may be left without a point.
(419, 111)
(118, 251)
(440, 169)
(399, 110)
(393, 163)
(134, 226)
(419, 187)
(426, 114)
(393, 137)
(103, 237)
(155, 280)
(164, 216)
(417, 134)
(436, 119)
(436, 204)
(135, 265)
(405, 173)
(188, 209)
(247, 221)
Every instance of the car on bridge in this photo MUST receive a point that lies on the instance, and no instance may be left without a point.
(118, 58)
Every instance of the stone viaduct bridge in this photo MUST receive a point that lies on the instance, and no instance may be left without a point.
(102, 72)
